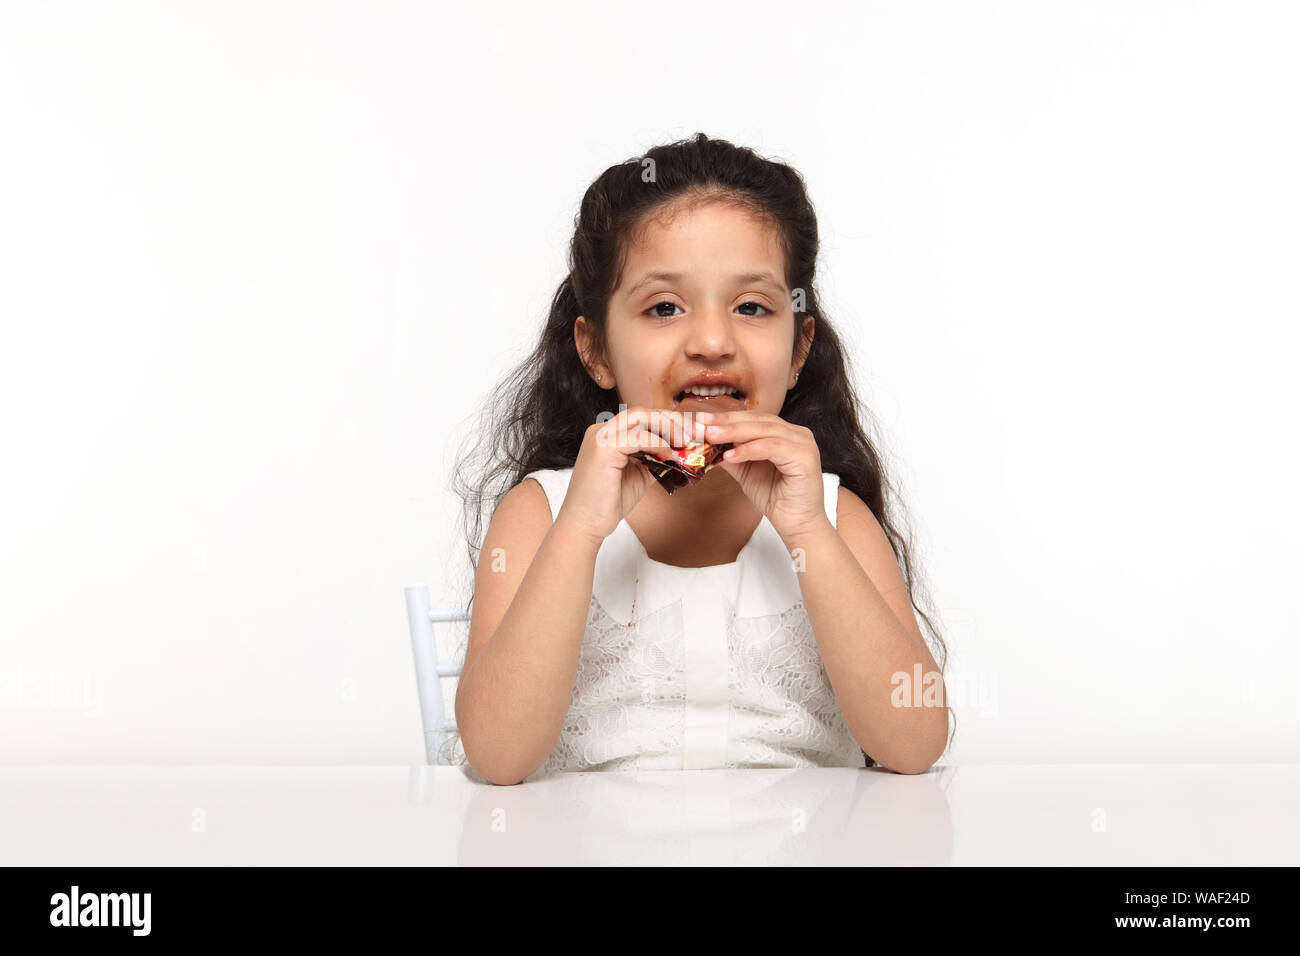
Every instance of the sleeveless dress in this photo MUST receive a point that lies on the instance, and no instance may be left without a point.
(698, 668)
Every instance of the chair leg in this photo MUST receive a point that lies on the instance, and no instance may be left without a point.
(424, 646)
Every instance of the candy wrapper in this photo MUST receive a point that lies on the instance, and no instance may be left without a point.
(686, 466)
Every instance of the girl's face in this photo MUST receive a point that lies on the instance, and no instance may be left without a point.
(701, 296)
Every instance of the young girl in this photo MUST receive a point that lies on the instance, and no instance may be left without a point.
(757, 618)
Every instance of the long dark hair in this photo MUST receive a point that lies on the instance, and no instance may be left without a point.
(536, 418)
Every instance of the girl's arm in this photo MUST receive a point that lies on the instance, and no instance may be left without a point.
(867, 635)
(532, 593)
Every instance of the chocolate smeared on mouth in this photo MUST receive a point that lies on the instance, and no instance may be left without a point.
(686, 466)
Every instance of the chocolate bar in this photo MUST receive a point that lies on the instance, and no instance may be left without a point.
(686, 466)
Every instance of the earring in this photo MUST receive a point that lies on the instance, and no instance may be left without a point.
(598, 376)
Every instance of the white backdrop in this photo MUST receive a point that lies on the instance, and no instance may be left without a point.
(262, 260)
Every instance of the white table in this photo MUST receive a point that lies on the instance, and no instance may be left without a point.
(1116, 814)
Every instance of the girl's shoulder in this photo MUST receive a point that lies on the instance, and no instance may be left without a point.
(555, 482)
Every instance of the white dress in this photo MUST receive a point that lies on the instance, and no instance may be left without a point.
(697, 668)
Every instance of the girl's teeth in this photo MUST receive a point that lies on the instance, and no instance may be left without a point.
(709, 392)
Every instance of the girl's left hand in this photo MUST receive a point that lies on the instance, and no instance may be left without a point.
(776, 464)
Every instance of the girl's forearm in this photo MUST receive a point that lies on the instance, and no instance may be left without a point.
(863, 645)
(511, 703)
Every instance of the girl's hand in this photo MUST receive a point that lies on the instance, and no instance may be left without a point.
(777, 465)
(606, 484)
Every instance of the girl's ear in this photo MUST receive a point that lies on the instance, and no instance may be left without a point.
(597, 370)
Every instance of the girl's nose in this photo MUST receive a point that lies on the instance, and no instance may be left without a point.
(710, 335)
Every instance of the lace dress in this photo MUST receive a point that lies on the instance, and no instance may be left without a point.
(696, 668)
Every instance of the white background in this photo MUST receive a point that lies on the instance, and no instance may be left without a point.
(261, 261)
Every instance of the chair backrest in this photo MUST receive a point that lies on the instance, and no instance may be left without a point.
(428, 671)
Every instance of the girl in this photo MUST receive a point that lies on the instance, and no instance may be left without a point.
(757, 618)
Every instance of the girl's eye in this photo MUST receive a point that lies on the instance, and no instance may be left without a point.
(659, 315)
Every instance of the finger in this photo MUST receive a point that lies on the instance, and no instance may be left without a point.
(640, 438)
(779, 451)
(748, 429)
(729, 466)
(674, 426)
(739, 415)
(671, 424)
(622, 427)
(628, 432)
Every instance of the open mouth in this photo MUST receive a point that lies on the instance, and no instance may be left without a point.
(717, 395)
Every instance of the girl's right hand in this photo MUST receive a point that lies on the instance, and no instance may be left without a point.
(606, 483)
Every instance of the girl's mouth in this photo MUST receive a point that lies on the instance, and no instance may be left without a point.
(727, 401)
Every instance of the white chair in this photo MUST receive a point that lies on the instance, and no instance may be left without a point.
(428, 672)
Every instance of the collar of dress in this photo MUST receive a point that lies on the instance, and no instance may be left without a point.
(762, 579)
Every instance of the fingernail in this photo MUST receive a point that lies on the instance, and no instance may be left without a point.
(704, 416)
